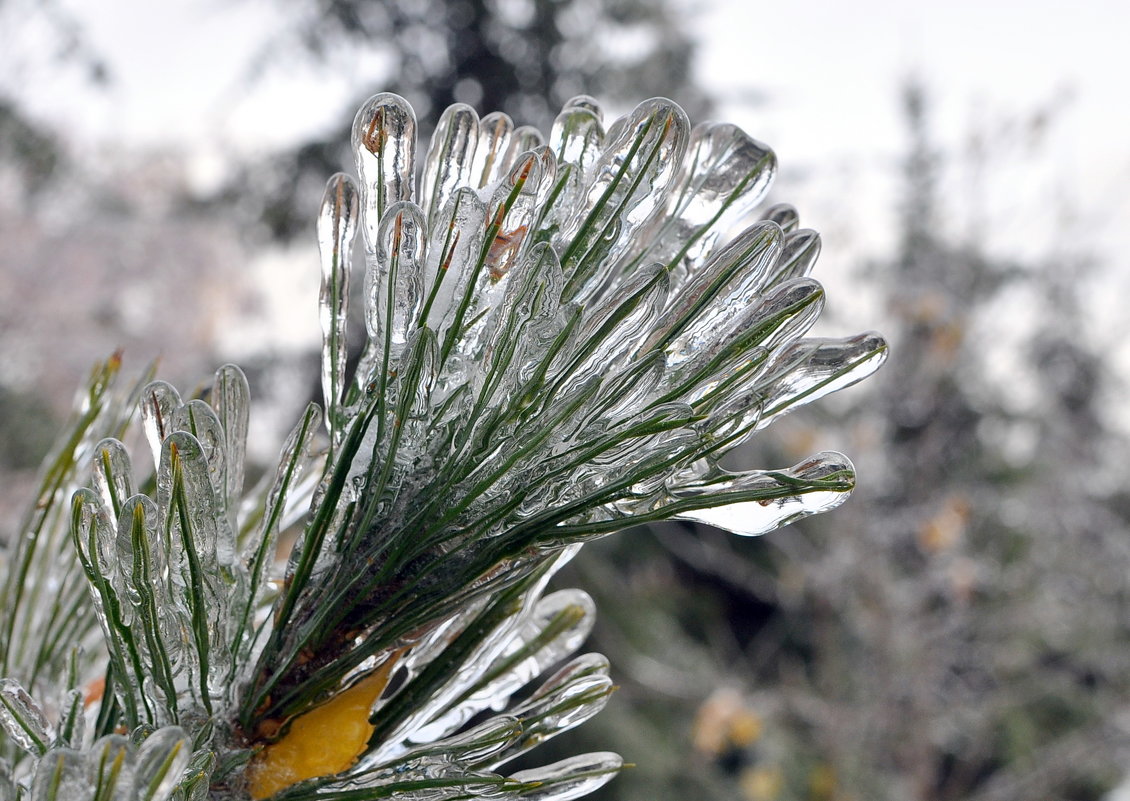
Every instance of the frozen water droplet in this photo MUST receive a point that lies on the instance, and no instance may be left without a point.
(451, 157)
(394, 285)
(765, 500)
(784, 214)
(161, 760)
(159, 402)
(384, 141)
(61, 774)
(723, 176)
(570, 778)
(231, 399)
(113, 474)
(496, 130)
(337, 224)
(22, 718)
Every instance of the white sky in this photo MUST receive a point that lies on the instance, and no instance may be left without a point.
(823, 76)
(828, 72)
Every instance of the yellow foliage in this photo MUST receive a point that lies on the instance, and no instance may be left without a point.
(324, 741)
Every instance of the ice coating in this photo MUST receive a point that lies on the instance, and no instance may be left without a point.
(337, 225)
(22, 719)
(565, 335)
(384, 140)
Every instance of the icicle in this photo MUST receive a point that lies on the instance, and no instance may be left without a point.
(723, 176)
(451, 157)
(496, 130)
(61, 775)
(337, 224)
(22, 719)
(628, 187)
(784, 214)
(384, 141)
(394, 287)
(231, 400)
(570, 778)
(775, 497)
(113, 474)
(159, 402)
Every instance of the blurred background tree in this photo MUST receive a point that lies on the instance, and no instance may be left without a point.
(522, 57)
(957, 631)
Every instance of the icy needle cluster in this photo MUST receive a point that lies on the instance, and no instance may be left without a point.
(557, 348)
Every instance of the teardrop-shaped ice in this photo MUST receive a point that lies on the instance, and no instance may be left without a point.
(451, 157)
(799, 254)
(570, 778)
(384, 141)
(810, 369)
(728, 282)
(158, 637)
(113, 474)
(571, 696)
(495, 131)
(784, 214)
(72, 720)
(394, 286)
(576, 137)
(91, 530)
(523, 323)
(765, 500)
(454, 245)
(159, 402)
(337, 224)
(587, 102)
(511, 213)
(723, 176)
(559, 624)
(110, 767)
(196, 781)
(197, 418)
(204, 556)
(231, 400)
(785, 312)
(22, 718)
(628, 187)
(524, 139)
(61, 775)
(160, 761)
(621, 321)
